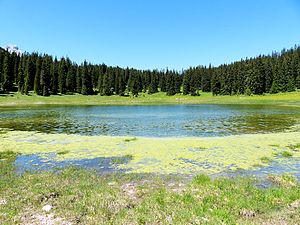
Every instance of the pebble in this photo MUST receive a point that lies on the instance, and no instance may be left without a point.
(47, 208)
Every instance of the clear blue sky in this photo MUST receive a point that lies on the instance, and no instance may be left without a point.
(151, 33)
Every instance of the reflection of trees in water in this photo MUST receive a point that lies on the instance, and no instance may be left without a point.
(243, 124)
(191, 124)
(45, 121)
(263, 123)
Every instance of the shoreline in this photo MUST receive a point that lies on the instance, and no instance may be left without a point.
(291, 99)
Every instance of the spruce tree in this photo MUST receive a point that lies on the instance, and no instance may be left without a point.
(62, 73)
(20, 78)
(37, 78)
(45, 75)
(54, 77)
(122, 84)
(78, 80)
(87, 87)
(186, 83)
(7, 74)
(153, 88)
(71, 79)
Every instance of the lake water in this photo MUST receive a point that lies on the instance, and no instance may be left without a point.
(153, 121)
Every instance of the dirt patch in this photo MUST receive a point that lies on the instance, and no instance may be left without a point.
(247, 213)
(130, 190)
(42, 219)
(285, 216)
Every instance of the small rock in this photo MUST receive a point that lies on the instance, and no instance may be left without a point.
(47, 208)
(171, 184)
(112, 183)
(247, 213)
(295, 204)
(3, 202)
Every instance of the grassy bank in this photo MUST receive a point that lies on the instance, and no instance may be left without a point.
(292, 99)
(75, 196)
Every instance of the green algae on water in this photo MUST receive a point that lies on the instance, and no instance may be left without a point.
(187, 155)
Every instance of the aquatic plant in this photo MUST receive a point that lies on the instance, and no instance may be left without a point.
(286, 154)
(156, 155)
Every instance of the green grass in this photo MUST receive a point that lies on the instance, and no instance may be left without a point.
(63, 152)
(83, 197)
(16, 99)
(130, 139)
(295, 147)
(265, 159)
(286, 154)
(122, 160)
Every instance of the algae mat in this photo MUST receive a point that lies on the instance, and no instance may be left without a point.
(208, 155)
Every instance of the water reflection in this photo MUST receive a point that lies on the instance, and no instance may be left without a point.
(154, 121)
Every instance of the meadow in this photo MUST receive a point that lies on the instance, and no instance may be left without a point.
(16, 99)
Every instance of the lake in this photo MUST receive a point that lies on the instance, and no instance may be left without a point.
(153, 121)
(168, 139)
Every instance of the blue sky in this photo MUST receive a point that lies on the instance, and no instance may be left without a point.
(151, 33)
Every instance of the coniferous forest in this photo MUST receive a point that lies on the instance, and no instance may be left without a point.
(45, 75)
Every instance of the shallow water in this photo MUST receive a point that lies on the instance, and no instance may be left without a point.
(213, 140)
(103, 165)
(153, 121)
(47, 162)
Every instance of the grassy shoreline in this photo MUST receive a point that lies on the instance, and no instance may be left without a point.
(16, 99)
(75, 196)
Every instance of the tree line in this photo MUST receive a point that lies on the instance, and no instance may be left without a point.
(45, 75)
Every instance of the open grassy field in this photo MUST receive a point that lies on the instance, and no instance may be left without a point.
(16, 99)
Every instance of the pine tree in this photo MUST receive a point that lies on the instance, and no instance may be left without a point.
(206, 79)
(153, 88)
(37, 78)
(62, 73)
(87, 88)
(162, 82)
(7, 74)
(186, 83)
(106, 88)
(45, 75)
(78, 80)
(54, 77)
(29, 74)
(71, 79)
(20, 78)
(122, 84)
(170, 84)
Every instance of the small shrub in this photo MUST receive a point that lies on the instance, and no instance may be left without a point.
(248, 92)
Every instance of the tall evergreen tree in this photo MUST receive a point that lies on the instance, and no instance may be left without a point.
(37, 78)
(153, 88)
(71, 79)
(54, 77)
(21, 78)
(46, 75)
(7, 74)
(87, 87)
(62, 73)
